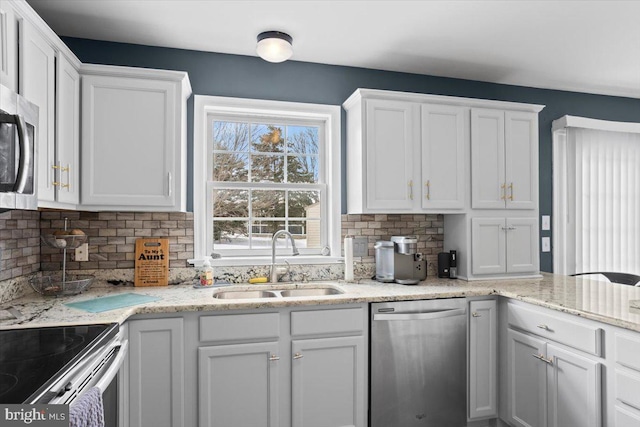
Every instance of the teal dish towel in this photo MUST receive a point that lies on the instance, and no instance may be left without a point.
(98, 305)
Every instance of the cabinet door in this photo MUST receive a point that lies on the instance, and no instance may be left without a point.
(8, 47)
(67, 131)
(238, 385)
(391, 138)
(328, 382)
(527, 381)
(574, 389)
(156, 373)
(521, 160)
(488, 188)
(443, 156)
(522, 245)
(488, 245)
(129, 139)
(483, 361)
(37, 84)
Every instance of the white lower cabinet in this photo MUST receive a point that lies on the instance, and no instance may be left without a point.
(483, 361)
(156, 373)
(328, 380)
(550, 384)
(230, 377)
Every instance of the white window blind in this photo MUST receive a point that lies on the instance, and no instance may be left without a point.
(596, 200)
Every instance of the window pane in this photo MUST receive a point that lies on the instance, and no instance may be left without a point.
(306, 233)
(268, 203)
(304, 204)
(267, 168)
(230, 203)
(302, 169)
(302, 139)
(230, 234)
(267, 138)
(262, 232)
(230, 167)
(230, 136)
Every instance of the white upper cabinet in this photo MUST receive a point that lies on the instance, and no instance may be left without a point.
(444, 153)
(504, 245)
(390, 138)
(504, 159)
(133, 138)
(37, 84)
(67, 163)
(8, 46)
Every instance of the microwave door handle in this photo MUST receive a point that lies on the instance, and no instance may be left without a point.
(25, 155)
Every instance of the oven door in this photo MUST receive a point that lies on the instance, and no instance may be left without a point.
(98, 370)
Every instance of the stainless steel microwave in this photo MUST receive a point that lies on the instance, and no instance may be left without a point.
(18, 132)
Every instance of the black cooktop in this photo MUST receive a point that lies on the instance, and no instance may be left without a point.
(32, 359)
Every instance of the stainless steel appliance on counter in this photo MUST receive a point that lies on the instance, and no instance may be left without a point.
(398, 260)
(57, 365)
(18, 123)
(418, 363)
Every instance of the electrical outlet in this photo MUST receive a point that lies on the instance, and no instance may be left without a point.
(82, 252)
(546, 244)
(360, 246)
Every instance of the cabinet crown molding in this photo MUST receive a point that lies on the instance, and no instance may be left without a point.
(139, 73)
(361, 94)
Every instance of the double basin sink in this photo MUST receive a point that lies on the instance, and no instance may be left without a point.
(291, 291)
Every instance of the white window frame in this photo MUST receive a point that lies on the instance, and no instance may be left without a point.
(562, 203)
(329, 118)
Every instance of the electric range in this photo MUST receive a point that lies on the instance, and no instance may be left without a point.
(31, 360)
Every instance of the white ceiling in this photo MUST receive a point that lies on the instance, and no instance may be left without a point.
(584, 46)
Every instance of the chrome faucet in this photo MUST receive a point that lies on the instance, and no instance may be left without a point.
(274, 269)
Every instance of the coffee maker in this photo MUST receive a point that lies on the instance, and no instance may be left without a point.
(398, 260)
(448, 264)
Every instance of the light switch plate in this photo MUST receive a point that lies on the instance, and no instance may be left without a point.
(360, 246)
(546, 244)
(546, 222)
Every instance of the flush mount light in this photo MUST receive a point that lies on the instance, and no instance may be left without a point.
(274, 46)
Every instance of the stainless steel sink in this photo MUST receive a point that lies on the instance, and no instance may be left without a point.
(244, 294)
(310, 292)
(291, 291)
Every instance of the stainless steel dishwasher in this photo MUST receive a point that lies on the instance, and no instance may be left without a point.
(418, 363)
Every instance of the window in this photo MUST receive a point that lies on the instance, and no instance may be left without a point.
(264, 166)
(596, 196)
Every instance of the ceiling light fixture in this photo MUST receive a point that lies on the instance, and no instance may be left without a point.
(274, 46)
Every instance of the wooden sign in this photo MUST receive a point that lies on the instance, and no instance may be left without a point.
(152, 262)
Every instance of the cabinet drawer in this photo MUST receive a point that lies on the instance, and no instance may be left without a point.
(574, 334)
(627, 389)
(240, 327)
(628, 351)
(348, 320)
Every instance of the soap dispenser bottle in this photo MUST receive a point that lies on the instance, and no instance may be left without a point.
(206, 274)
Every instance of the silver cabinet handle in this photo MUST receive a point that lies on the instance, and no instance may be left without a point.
(298, 356)
(475, 314)
(544, 359)
(503, 191)
(511, 188)
(411, 189)
(169, 182)
(274, 358)
(428, 185)
(545, 327)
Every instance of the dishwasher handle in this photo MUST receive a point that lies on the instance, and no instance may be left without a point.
(435, 314)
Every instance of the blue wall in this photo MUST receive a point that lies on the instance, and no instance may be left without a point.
(251, 77)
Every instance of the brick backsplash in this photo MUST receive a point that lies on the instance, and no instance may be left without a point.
(19, 243)
(428, 227)
(112, 237)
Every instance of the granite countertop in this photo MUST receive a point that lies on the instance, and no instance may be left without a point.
(617, 305)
